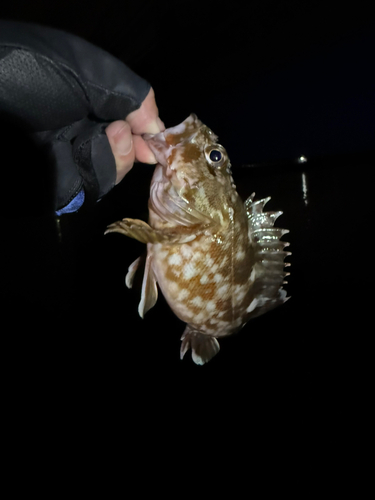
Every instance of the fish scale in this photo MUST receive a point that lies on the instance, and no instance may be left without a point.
(218, 262)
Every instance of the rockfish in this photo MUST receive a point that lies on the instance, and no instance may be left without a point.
(218, 261)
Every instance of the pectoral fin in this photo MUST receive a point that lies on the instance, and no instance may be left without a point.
(139, 230)
(135, 228)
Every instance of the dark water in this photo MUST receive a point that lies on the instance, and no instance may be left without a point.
(75, 353)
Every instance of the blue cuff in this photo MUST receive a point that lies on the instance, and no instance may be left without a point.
(73, 205)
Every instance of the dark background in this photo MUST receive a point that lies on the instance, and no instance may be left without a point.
(275, 80)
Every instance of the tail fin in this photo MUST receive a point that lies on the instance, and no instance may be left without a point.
(203, 347)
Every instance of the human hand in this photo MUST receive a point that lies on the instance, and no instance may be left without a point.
(125, 136)
(74, 98)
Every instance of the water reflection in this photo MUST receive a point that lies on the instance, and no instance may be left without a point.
(304, 189)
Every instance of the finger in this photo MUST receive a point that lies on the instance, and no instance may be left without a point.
(121, 141)
(143, 153)
(146, 118)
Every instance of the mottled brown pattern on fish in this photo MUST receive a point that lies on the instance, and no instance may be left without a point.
(191, 153)
(172, 157)
(204, 246)
(174, 139)
(219, 277)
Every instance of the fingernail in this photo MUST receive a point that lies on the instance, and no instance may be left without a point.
(161, 124)
(155, 126)
(151, 159)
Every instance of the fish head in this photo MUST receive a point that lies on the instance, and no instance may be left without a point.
(194, 164)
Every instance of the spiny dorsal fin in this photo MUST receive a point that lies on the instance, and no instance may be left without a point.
(268, 272)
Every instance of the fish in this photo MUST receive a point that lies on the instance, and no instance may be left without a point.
(217, 260)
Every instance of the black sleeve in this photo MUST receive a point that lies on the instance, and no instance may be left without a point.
(65, 91)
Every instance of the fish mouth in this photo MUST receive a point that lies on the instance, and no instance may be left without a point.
(190, 124)
(182, 132)
(161, 144)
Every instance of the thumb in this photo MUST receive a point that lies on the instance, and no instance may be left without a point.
(120, 139)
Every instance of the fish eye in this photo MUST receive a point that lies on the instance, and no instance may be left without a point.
(215, 155)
